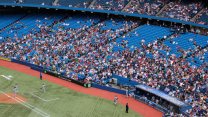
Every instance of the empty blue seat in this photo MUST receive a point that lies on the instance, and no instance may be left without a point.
(149, 33)
(39, 2)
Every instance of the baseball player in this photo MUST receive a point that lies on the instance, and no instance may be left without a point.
(15, 89)
(115, 100)
(43, 87)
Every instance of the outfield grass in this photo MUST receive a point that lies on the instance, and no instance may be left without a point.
(69, 104)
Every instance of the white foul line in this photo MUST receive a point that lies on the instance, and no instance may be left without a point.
(8, 78)
(52, 99)
(43, 99)
(35, 109)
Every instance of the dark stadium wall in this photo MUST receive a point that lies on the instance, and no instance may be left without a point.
(13, 10)
(102, 16)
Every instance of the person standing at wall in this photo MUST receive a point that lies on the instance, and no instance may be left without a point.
(41, 77)
(127, 92)
(127, 108)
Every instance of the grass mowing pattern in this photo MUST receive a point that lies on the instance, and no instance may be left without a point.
(70, 103)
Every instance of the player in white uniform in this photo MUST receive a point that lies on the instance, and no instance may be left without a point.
(43, 87)
(15, 89)
(115, 100)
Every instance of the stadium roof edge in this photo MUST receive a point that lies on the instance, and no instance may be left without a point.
(107, 12)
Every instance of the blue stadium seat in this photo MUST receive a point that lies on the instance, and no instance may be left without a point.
(184, 42)
(149, 33)
(39, 2)
(28, 24)
(7, 1)
(76, 22)
(6, 19)
(73, 3)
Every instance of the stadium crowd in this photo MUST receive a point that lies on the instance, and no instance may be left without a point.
(117, 5)
(145, 6)
(88, 52)
(176, 10)
(181, 11)
(202, 18)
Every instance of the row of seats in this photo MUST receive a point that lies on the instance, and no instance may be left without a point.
(186, 42)
(76, 21)
(42, 2)
(31, 23)
(7, 19)
(7, 1)
(145, 33)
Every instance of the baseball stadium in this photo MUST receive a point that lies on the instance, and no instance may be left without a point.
(103, 58)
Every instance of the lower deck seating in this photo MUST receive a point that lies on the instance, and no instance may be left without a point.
(144, 33)
(199, 59)
(7, 19)
(188, 41)
(77, 21)
(31, 23)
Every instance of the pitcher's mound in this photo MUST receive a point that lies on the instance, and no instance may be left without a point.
(10, 99)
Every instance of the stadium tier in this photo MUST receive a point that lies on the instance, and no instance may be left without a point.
(116, 50)
(192, 11)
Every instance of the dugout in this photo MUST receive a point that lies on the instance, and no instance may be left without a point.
(160, 99)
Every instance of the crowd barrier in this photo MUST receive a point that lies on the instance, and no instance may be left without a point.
(119, 91)
(37, 69)
(5, 59)
(67, 78)
(41, 69)
(124, 81)
(26, 64)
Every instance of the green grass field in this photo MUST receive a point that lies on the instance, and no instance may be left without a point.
(58, 101)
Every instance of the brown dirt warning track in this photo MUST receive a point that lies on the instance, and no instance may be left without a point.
(137, 106)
